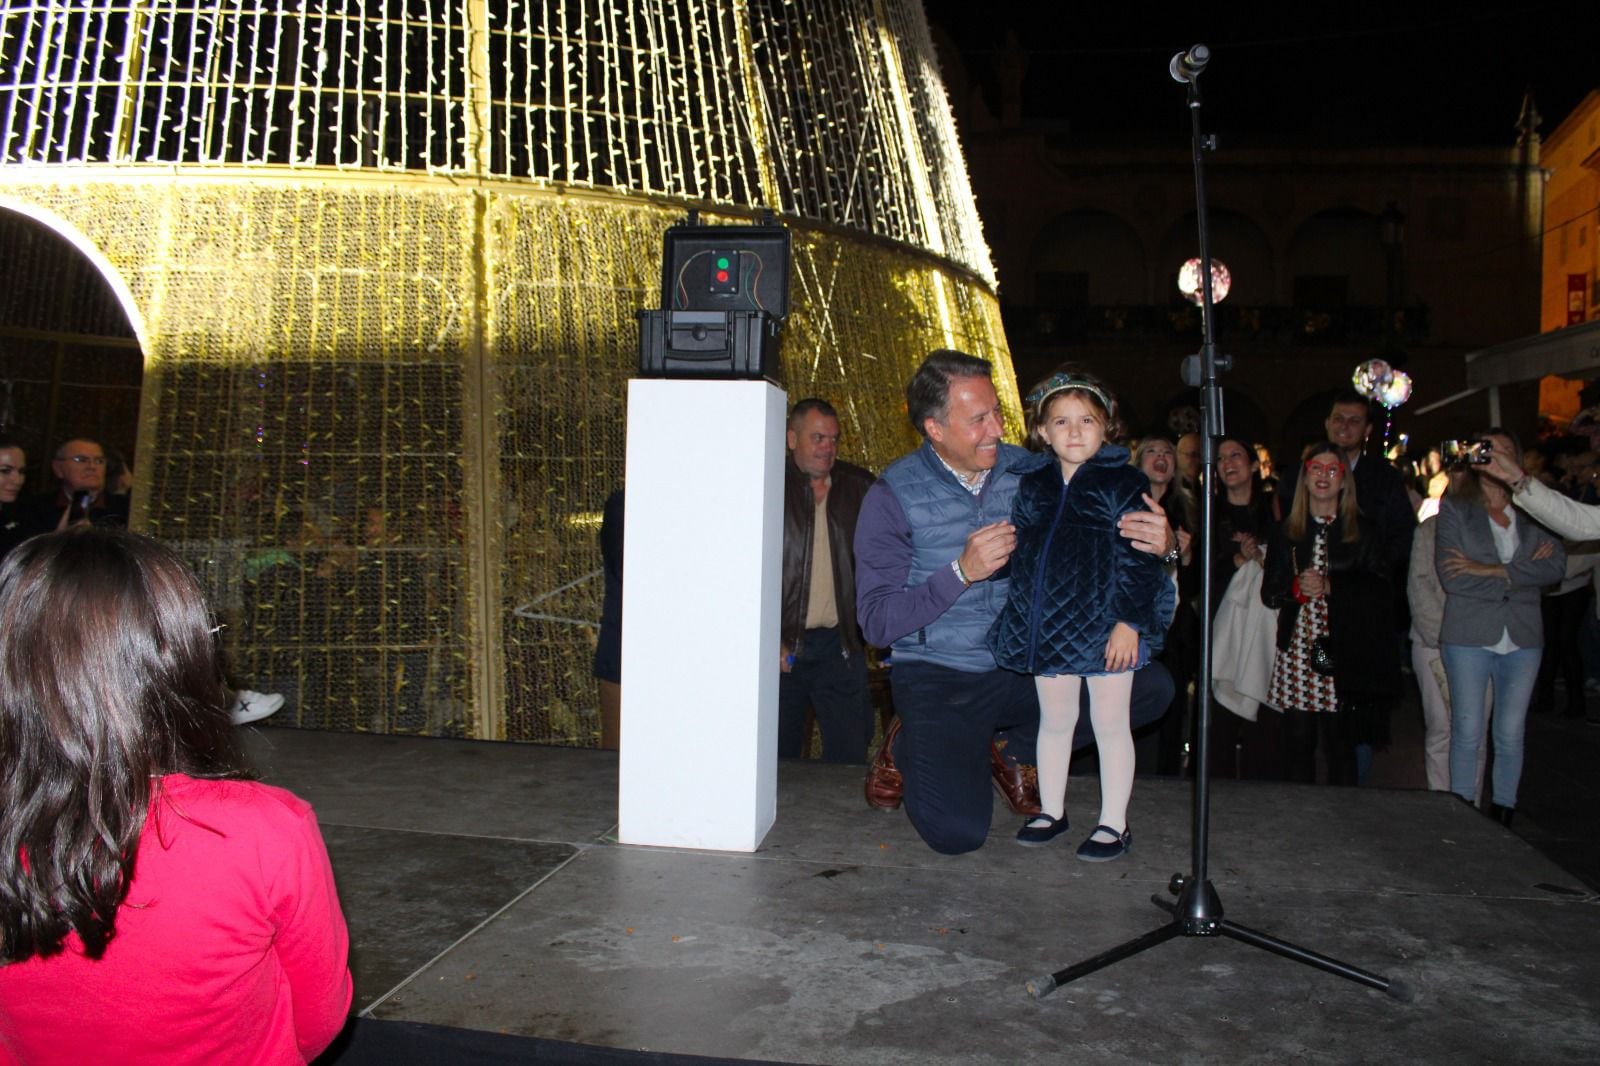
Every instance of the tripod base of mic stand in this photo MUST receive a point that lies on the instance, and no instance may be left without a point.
(1198, 912)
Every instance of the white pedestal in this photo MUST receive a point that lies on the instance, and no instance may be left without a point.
(701, 583)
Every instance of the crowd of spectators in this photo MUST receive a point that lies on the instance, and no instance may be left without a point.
(1499, 611)
(1320, 573)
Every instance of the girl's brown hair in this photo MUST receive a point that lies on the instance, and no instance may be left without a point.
(1070, 380)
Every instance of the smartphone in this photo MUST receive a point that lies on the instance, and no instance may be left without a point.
(1466, 452)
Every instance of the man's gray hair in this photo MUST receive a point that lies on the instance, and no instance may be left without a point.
(928, 391)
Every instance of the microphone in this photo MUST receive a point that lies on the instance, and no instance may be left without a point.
(1186, 66)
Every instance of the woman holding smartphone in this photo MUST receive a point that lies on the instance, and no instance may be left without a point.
(1492, 563)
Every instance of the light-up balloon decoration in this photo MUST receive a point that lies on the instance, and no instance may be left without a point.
(1370, 376)
(1395, 391)
(1378, 381)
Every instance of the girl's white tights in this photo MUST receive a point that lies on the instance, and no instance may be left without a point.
(1109, 696)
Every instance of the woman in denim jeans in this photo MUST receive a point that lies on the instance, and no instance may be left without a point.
(1492, 562)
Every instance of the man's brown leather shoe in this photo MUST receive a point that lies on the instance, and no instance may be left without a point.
(884, 784)
(1017, 783)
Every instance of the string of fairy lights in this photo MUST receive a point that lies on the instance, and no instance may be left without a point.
(382, 415)
(835, 101)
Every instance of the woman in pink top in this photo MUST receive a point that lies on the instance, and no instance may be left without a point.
(155, 906)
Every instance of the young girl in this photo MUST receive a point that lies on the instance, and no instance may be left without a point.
(1084, 603)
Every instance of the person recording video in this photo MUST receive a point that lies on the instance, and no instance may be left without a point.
(80, 497)
(1566, 517)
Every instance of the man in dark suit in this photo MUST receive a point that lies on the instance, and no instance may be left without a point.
(80, 469)
(1380, 490)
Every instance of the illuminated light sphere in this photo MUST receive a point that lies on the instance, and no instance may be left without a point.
(1189, 281)
(1395, 391)
(1371, 376)
(431, 227)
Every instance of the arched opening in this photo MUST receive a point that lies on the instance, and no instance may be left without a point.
(1245, 417)
(1336, 260)
(71, 364)
(1088, 259)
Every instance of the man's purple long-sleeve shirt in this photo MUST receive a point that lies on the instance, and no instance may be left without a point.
(886, 608)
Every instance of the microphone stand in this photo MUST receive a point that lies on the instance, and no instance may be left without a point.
(1197, 911)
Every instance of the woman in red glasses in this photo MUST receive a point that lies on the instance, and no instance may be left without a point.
(1337, 669)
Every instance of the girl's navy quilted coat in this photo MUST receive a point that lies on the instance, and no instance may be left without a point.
(1073, 576)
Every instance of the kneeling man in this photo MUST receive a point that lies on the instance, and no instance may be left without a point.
(932, 543)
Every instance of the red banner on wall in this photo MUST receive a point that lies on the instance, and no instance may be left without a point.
(1577, 298)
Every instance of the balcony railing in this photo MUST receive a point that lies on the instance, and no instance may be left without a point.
(1299, 326)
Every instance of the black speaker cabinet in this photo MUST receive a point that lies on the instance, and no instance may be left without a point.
(724, 295)
(708, 344)
(725, 268)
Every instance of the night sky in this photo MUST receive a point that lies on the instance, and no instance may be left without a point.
(1314, 74)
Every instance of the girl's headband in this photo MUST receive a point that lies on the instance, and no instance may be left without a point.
(1062, 382)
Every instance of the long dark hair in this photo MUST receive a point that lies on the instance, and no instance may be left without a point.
(109, 679)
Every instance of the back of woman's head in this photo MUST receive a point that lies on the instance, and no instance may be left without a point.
(109, 677)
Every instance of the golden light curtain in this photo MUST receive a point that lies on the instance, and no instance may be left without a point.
(384, 261)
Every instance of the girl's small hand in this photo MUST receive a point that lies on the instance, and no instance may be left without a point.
(1184, 541)
(1122, 650)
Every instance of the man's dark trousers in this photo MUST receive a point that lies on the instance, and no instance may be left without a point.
(948, 719)
(835, 685)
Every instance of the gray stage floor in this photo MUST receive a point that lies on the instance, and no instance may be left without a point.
(484, 889)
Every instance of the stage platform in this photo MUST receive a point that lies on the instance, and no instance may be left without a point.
(484, 890)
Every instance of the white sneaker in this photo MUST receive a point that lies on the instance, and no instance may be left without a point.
(253, 706)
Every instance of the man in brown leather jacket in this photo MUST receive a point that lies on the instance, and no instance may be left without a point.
(823, 660)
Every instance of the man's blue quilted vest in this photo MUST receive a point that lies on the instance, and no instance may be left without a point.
(941, 513)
